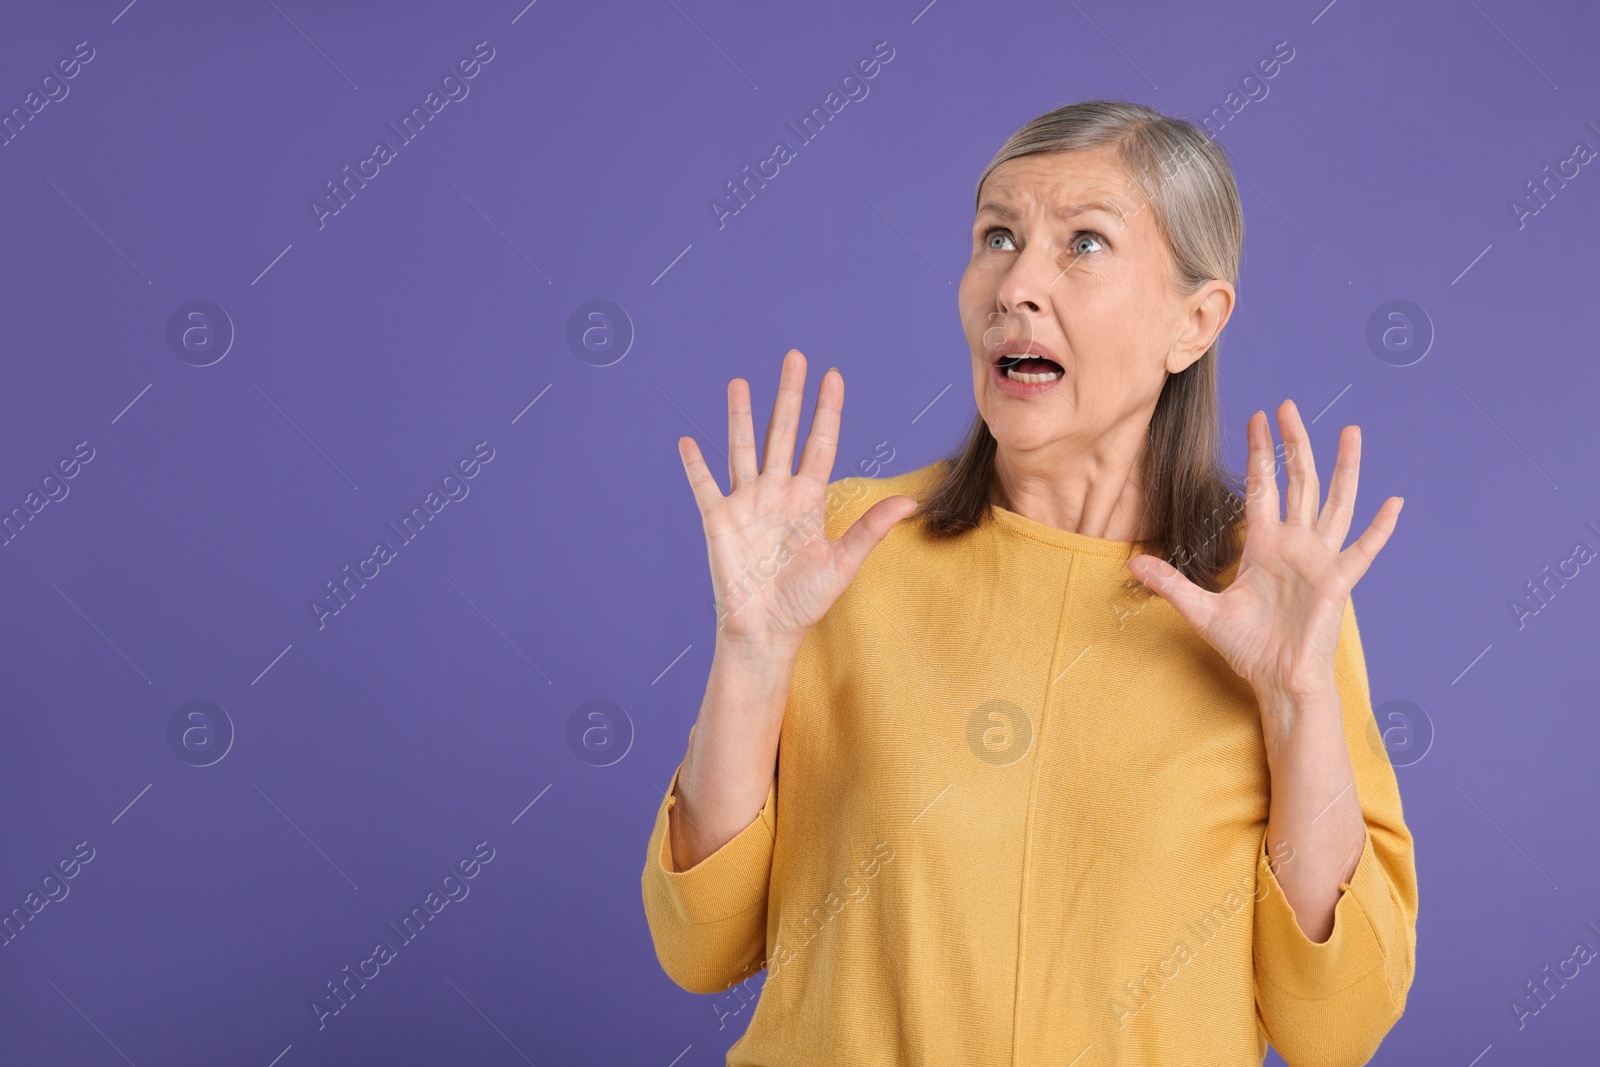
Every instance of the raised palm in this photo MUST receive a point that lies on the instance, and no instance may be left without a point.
(774, 572)
(1277, 625)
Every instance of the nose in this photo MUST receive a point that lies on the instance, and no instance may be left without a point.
(1025, 289)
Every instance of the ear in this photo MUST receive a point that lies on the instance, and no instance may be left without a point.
(1206, 312)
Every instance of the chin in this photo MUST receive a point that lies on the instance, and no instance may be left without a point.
(1022, 433)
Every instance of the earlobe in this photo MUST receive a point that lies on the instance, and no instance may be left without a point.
(1180, 358)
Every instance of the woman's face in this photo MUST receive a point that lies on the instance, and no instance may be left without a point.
(1067, 262)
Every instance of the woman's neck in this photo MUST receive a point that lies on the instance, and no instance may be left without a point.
(1094, 497)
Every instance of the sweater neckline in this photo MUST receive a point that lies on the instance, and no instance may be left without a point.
(1068, 539)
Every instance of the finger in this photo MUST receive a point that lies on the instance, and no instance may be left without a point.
(1304, 491)
(1191, 602)
(865, 533)
(778, 451)
(741, 436)
(822, 444)
(706, 492)
(1358, 557)
(1261, 475)
(1334, 522)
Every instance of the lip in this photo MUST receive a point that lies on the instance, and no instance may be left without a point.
(1019, 345)
(1033, 348)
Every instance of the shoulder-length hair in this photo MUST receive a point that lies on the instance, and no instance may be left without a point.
(1192, 500)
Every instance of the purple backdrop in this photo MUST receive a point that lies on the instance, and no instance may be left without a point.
(241, 346)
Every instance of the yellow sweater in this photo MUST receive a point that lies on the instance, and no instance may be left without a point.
(1019, 818)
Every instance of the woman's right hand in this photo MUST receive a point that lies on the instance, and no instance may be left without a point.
(773, 570)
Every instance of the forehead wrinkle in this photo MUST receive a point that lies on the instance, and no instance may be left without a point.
(1064, 212)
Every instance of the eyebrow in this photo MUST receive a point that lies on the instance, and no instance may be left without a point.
(1063, 212)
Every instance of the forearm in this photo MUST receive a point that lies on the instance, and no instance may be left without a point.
(733, 749)
(1314, 807)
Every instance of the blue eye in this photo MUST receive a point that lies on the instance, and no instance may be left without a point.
(991, 232)
(989, 235)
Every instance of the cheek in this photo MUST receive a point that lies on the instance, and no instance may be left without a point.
(1132, 374)
(970, 302)
(1116, 324)
(980, 377)
(975, 303)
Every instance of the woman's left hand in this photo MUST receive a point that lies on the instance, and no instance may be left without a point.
(1277, 625)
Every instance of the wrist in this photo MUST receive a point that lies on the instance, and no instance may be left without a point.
(1299, 690)
(1293, 717)
(761, 648)
(760, 671)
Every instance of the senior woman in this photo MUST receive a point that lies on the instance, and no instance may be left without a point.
(1059, 750)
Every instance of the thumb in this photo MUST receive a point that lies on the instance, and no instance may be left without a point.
(865, 533)
(1169, 583)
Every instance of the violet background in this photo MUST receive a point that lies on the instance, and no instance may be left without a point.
(433, 310)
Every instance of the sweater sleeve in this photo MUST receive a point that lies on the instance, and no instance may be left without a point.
(1329, 1004)
(709, 923)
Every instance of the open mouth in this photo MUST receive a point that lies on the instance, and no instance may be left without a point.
(1028, 369)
